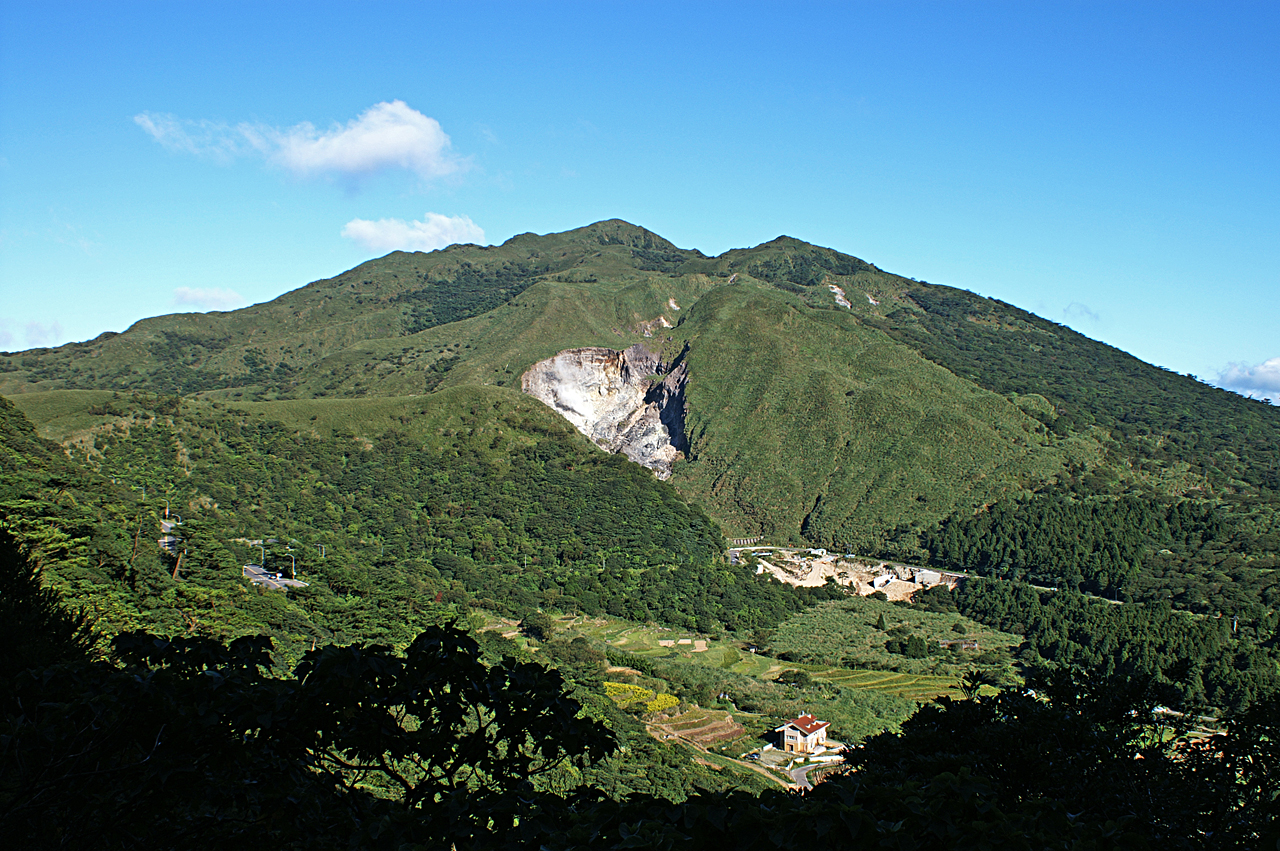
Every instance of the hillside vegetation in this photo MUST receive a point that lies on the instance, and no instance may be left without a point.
(501, 636)
(488, 499)
(913, 421)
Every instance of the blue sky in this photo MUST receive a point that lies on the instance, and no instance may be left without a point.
(1111, 166)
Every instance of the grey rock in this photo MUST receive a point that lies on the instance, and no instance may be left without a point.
(626, 401)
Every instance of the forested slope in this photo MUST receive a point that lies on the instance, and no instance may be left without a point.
(1154, 417)
(829, 403)
(476, 498)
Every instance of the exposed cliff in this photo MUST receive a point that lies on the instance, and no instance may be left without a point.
(618, 400)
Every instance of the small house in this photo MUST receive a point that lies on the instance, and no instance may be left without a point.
(882, 580)
(804, 734)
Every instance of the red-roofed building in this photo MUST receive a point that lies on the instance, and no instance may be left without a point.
(803, 735)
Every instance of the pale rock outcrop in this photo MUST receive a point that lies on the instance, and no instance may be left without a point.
(628, 401)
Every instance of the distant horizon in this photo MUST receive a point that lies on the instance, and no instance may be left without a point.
(1248, 394)
(1109, 168)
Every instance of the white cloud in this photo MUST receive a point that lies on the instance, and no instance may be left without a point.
(436, 231)
(387, 135)
(1261, 381)
(39, 334)
(211, 298)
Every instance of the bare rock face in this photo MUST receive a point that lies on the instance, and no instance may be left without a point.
(628, 401)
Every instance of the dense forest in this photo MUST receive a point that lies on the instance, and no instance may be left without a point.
(390, 534)
(1195, 661)
(1201, 555)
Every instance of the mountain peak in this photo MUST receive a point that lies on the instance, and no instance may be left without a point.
(619, 232)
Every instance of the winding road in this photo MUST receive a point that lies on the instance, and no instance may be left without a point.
(800, 774)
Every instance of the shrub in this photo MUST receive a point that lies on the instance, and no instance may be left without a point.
(539, 625)
(626, 694)
(800, 679)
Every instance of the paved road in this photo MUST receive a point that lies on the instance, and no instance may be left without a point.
(800, 774)
(259, 576)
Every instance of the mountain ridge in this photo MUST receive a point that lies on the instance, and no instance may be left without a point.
(828, 402)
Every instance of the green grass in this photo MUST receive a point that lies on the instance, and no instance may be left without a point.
(918, 687)
(63, 415)
(844, 634)
(825, 430)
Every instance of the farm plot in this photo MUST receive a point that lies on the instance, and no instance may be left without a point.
(701, 727)
(917, 687)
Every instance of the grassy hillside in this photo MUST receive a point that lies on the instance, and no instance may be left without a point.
(1154, 419)
(806, 425)
(882, 425)
(258, 349)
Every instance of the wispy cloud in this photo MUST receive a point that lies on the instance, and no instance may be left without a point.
(40, 334)
(388, 135)
(1078, 311)
(212, 298)
(435, 231)
(212, 139)
(1260, 381)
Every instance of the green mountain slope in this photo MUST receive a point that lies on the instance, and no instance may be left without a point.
(1157, 418)
(398, 512)
(805, 423)
(828, 401)
(259, 348)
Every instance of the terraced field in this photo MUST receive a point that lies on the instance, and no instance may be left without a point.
(715, 735)
(705, 728)
(754, 666)
(917, 687)
(644, 640)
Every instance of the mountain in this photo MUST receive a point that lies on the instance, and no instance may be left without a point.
(820, 400)
(484, 463)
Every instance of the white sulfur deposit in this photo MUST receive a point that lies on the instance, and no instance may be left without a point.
(616, 399)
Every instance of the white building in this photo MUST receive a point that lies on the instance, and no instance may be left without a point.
(803, 735)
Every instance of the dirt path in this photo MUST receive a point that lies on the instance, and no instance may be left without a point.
(666, 732)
